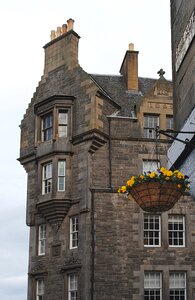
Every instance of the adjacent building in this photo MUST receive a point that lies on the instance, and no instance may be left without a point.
(182, 154)
(82, 136)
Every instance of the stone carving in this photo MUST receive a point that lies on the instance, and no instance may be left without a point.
(38, 266)
(72, 260)
(162, 92)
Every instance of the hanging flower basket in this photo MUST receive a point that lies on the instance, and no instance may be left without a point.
(156, 191)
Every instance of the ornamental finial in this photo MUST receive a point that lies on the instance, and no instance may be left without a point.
(161, 72)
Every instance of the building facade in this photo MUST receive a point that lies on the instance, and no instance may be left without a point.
(182, 155)
(82, 136)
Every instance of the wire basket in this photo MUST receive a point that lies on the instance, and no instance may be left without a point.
(156, 197)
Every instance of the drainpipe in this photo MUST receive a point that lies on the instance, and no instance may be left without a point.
(92, 243)
(109, 153)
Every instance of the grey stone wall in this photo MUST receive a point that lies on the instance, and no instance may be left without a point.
(120, 256)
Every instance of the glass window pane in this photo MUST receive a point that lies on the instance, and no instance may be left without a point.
(62, 131)
(61, 175)
(152, 230)
(176, 230)
(62, 117)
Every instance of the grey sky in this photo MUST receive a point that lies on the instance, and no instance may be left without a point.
(106, 28)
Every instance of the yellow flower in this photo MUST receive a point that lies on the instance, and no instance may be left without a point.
(169, 173)
(123, 189)
(179, 186)
(141, 176)
(131, 181)
(180, 175)
(167, 178)
(152, 175)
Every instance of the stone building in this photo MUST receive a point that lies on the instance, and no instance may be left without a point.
(182, 155)
(82, 136)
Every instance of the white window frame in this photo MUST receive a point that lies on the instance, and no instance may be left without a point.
(74, 231)
(42, 239)
(47, 178)
(169, 122)
(40, 287)
(151, 232)
(61, 175)
(152, 283)
(176, 234)
(73, 286)
(150, 165)
(150, 121)
(63, 123)
(177, 284)
(47, 129)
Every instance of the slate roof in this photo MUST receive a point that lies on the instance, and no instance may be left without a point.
(114, 87)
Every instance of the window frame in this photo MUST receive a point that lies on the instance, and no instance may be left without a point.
(47, 129)
(41, 239)
(146, 231)
(40, 296)
(61, 176)
(149, 131)
(178, 288)
(47, 180)
(150, 287)
(53, 105)
(177, 232)
(74, 231)
(169, 120)
(75, 289)
(152, 162)
(61, 124)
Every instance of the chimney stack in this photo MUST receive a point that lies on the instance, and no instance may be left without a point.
(70, 24)
(129, 68)
(62, 48)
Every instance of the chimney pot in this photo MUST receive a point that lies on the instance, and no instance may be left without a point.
(53, 35)
(59, 31)
(70, 24)
(131, 47)
(64, 28)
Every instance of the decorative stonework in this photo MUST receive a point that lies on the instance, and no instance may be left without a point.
(71, 261)
(54, 211)
(38, 267)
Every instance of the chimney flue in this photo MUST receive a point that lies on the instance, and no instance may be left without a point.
(64, 28)
(58, 31)
(52, 35)
(70, 24)
(131, 47)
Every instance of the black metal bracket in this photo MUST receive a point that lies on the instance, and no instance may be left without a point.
(173, 137)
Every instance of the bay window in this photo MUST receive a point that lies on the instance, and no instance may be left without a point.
(61, 175)
(47, 127)
(47, 178)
